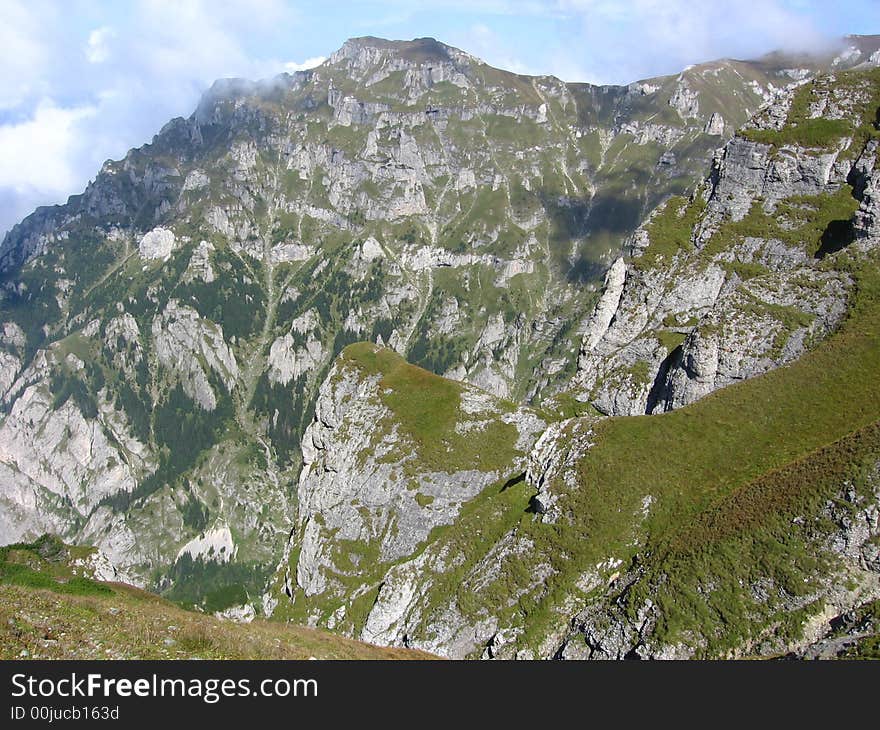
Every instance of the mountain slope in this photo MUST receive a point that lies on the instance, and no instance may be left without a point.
(53, 607)
(743, 522)
(737, 279)
(166, 333)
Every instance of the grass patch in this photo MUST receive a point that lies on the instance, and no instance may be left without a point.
(822, 133)
(670, 339)
(745, 270)
(426, 408)
(801, 221)
(670, 231)
(134, 624)
(816, 133)
(701, 574)
(43, 565)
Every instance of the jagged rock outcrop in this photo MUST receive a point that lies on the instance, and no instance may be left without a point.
(366, 500)
(746, 290)
(157, 244)
(57, 464)
(866, 183)
(183, 341)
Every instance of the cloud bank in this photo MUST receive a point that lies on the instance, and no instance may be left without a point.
(618, 42)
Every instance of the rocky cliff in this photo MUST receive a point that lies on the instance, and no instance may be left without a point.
(734, 281)
(743, 522)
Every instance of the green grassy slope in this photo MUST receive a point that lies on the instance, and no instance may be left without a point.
(727, 476)
(49, 609)
(713, 463)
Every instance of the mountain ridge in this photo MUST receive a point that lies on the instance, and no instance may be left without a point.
(168, 339)
(865, 45)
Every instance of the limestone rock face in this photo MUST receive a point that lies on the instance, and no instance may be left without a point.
(607, 306)
(56, 463)
(157, 244)
(200, 268)
(715, 125)
(749, 171)
(724, 308)
(359, 488)
(733, 344)
(9, 368)
(685, 101)
(354, 487)
(195, 180)
(365, 489)
(216, 544)
(287, 363)
(866, 179)
(99, 566)
(183, 341)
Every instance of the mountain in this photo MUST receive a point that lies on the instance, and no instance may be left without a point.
(315, 348)
(740, 520)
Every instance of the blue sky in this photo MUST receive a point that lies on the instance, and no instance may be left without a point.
(82, 81)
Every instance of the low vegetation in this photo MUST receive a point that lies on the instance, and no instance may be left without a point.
(714, 453)
(427, 409)
(49, 610)
(805, 222)
(670, 231)
(820, 132)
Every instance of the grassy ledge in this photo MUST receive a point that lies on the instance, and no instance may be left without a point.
(427, 408)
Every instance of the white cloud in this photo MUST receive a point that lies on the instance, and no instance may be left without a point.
(97, 49)
(481, 41)
(36, 151)
(615, 42)
(24, 52)
(39, 161)
(80, 83)
(292, 66)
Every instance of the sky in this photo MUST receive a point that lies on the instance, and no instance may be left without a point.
(83, 81)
